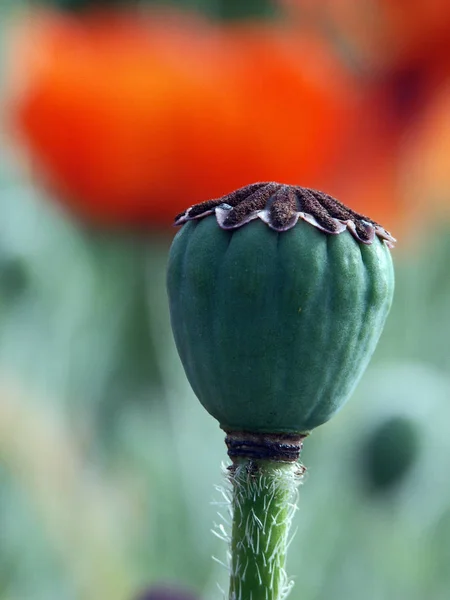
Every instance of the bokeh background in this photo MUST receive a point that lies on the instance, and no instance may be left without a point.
(115, 117)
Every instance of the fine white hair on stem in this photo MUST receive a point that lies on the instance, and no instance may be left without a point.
(276, 494)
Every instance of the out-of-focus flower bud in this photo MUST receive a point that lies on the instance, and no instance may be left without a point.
(388, 453)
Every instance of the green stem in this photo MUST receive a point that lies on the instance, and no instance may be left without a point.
(263, 502)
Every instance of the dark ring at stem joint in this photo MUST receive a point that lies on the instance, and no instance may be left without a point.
(269, 446)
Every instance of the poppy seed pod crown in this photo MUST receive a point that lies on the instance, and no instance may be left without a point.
(278, 295)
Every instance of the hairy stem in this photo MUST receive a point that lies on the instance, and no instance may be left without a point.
(263, 502)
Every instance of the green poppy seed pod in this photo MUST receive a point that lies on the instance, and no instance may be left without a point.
(278, 295)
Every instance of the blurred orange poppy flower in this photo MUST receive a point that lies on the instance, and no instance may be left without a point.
(385, 34)
(425, 164)
(418, 31)
(133, 118)
(395, 167)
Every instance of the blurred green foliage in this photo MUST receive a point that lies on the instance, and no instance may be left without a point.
(221, 9)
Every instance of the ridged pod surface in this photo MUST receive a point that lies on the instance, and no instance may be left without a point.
(277, 304)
